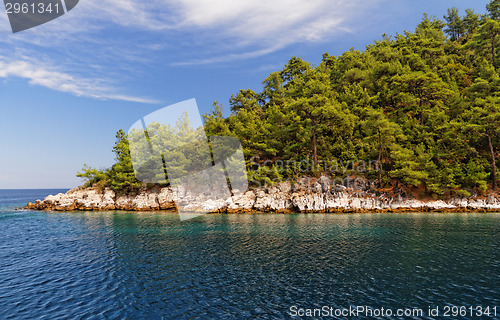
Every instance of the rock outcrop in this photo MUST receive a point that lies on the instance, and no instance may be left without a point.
(305, 195)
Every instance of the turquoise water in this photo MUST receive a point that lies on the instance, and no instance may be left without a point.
(113, 265)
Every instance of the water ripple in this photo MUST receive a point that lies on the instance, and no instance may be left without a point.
(113, 265)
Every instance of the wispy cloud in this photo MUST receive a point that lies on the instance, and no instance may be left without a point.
(50, 77)
(254, 26)
(250, 29)
(247, 28)
(263, 19)
(225, 58)
(120, 38)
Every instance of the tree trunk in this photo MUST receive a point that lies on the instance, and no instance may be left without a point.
(493, 162)
(493, 59)
(493, 55)
(315, 148)
(420, 106)
(379, 159)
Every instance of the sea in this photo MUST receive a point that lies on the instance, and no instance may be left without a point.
(150, 265)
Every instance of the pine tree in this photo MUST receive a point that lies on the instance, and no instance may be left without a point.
(122, 172)
(488, 39)
(455, 26)
(493, 9)
(471, 22)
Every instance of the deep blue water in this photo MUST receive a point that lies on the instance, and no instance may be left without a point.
(13, 199)
(116, 265)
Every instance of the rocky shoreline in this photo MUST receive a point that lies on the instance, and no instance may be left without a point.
(301, 197)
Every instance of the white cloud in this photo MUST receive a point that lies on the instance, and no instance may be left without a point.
(260, 19)
(242, 29)
(263, 23)
(51, 78)
(225, 58)
(182, 32)
(275, 23)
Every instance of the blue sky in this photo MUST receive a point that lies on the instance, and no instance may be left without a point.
(67, 86)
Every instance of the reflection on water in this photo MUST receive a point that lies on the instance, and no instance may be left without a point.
(150, 265)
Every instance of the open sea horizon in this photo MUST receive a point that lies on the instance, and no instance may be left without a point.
(12, 199)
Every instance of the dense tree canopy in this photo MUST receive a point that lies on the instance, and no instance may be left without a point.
(425, 105)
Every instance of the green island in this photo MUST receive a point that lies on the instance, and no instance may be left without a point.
(424, 104)
(410, 124)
